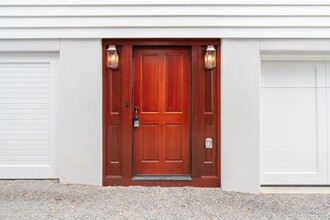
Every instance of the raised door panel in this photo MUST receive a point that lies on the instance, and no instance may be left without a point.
(174, 80)
(150, 142)
(149, 82)
(114, 92)
(173, 142)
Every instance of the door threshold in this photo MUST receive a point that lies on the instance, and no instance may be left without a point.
(163, 177)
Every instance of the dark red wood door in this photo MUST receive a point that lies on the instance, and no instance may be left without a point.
(161, 91)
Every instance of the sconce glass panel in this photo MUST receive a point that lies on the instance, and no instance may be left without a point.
(210, 57)
(112, 57)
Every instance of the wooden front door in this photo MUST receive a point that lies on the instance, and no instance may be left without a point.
(162, 103)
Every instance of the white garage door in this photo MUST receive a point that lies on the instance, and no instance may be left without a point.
(26, 99)
(294, 145)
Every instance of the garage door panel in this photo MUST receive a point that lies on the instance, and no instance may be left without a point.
(26, 150)
(24, 106)
(24, 96)
(24, 101)
(25, 90)
(25, 67)
(294, 129)
(15, 154)
(328, 123)
(304, 161)
(35, 111)
(33, 147)
(25, 121)
(24, 127)
(25, 79)
(327, 74)
(293, 74)
(304, 178)
(289, 96)
(25, 132)
(290, 143)
(24, 85)
(23, 74)
(289, 77)
(328, 167)
(31, 168)
(25, 137)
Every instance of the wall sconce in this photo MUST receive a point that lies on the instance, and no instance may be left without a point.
(113, 57)
(210, 57)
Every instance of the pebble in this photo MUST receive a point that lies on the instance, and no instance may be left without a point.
(47, 199)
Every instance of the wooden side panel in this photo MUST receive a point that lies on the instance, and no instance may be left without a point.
(111, 117)
(210, 161)
(114, 154)
(209, 164)
(114, 91)
(197, 139)
(126, 110)
(205, 107)
(208, 82)
(117, 116)
(114, 143)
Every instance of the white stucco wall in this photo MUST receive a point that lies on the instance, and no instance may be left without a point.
(38, 25)
(78, 103)
(79, 111)
(240, 125)
(240, 115)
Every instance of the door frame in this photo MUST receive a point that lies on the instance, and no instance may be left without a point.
(118, 140)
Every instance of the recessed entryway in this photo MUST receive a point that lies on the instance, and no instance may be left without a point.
(161, 113)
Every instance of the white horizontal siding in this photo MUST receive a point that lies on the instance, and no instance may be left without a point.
(175, 21)
(164, 2)
(165, 10)
(97, 19)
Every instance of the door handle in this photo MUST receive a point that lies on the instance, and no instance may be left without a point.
(136, 110)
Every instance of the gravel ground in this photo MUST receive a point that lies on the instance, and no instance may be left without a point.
(47, 199)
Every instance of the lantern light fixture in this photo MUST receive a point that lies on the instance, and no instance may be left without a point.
(210, 57)
(112, 57)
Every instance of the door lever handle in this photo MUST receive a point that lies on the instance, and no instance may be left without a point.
(136, 109)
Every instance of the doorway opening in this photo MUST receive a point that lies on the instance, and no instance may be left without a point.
(160, 107)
